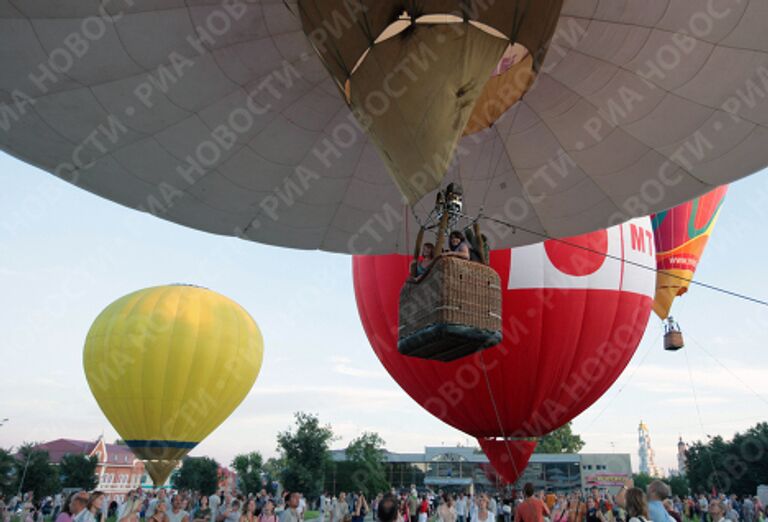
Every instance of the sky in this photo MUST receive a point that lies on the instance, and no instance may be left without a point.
(65, 254)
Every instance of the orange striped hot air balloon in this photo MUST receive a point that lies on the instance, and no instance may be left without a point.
(681, 234)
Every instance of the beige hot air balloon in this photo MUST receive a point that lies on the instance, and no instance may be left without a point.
(327, 124)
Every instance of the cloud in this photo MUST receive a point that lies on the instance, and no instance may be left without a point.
(339, 391)
(343, 366)
(688, 401)
(351, 371)
(8, 272)
(665, 379)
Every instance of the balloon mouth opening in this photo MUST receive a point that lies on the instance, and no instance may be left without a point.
(400, 27)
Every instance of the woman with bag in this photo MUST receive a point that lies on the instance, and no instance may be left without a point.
(636, 505)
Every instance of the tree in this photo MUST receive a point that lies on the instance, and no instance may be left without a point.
(747, 452)
(273, 469)
(274, 466)
(35, 473)
(249, 467)
(706, 464)
(197, 474)
(642, 480)
(78, 471)
(305, 453)
(365, 469)
(679, 485)
(737, 466)
(562, 440)
(7, 473)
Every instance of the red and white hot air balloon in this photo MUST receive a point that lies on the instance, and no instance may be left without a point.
(574, 312)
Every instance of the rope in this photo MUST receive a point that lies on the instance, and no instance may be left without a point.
(407, 231)
(701, 423)
(629, 379)
(726, 368)
(629, 262)
(498, 416)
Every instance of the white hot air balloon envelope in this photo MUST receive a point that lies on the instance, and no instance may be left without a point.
(227, 117)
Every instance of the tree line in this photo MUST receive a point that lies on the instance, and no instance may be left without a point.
(303, 464)
(736, 466)
(30, 469)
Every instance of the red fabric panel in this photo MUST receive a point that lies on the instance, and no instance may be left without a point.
(677, 226)
(508, 457)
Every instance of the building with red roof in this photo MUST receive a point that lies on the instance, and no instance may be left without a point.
(117, 468)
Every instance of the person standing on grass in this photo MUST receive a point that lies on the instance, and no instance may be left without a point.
(532, 509)
(387, 510)
(636, 505)
(290, 513)
(482, 514)
(75, 503)
(461, 508)
(446, 511)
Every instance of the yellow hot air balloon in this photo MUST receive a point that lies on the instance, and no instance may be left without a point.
(167, 365)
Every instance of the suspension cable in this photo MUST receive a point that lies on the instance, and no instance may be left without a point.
(689, 280)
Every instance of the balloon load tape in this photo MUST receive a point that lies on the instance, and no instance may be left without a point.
(160, 449)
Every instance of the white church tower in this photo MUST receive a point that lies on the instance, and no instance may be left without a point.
(645, 452)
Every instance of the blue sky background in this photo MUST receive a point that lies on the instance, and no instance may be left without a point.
(65, 254)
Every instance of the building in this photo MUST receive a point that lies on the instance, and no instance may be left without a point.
(645, 452)
(117, 468)
(682, 457)
(468, 469)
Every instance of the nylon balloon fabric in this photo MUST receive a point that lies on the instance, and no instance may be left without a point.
(167, 365)
(681, 235)
(242, 118)
(572, 319)
(508, 457)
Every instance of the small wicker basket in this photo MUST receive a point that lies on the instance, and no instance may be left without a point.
(454, 310)
(673, 340)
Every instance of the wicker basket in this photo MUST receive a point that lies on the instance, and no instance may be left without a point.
(453, 311)
(673, 341)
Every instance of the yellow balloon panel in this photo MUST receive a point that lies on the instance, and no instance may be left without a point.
(160, 470)
(168, 364)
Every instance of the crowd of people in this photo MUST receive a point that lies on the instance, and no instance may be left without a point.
(159, 506)
(630, 504)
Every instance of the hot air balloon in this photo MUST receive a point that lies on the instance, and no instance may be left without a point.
(681, 234)
(167, 365)
(574, 312)
(330, 125)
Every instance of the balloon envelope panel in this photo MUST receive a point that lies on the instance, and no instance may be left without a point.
(247, 134)
(681, 235)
